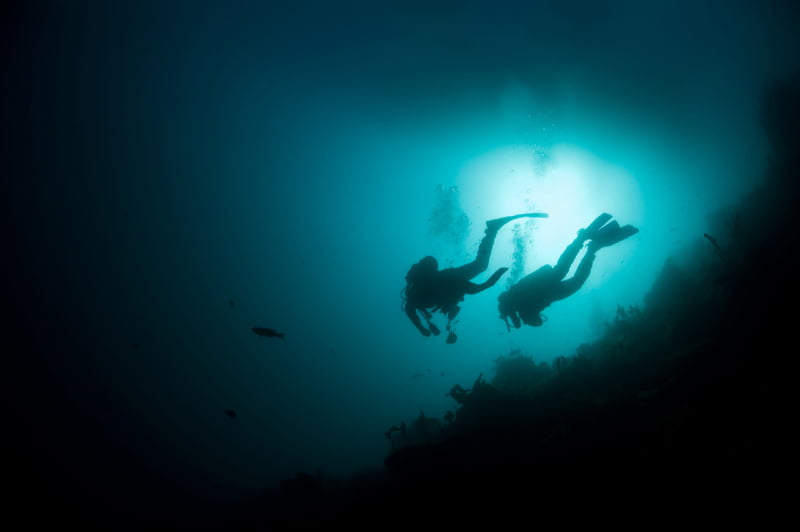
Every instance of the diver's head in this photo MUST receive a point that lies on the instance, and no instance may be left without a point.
(425, 267)
(507, 310)
(503, 305)
(429, 264)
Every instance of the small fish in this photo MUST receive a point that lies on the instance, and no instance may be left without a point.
(230, 413)
(134, 345)
(269, 333)
(714, 242)
(232, 303)
(417, 375)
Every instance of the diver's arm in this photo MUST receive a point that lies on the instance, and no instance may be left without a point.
(411, 312)
(472, 288)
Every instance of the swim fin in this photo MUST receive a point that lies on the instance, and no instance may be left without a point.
(591, 230)
(497, 223)
(611, 234)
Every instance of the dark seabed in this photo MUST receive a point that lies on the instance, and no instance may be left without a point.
(210, 209)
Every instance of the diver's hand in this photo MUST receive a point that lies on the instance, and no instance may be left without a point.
(494, 278)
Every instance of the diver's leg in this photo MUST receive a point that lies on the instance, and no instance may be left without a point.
(481, 262)
(573, 284)
(568, 257)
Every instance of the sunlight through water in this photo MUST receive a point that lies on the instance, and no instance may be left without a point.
(570, 184)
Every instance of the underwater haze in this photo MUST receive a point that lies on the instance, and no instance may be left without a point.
(179, 173)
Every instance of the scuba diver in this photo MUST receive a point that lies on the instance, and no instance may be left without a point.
(525, 300)
(430, 289)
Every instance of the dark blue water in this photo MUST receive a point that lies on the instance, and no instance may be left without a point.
(178, 174)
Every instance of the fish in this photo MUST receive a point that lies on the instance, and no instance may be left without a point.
(417, 375)
(230, 413)
(714, 242)
(232, 304)
(269, 333)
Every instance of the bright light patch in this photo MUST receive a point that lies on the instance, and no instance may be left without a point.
(570, 184)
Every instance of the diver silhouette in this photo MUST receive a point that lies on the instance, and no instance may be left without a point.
(430, 289)
(525, 300)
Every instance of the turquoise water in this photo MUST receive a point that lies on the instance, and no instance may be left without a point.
(182, 174)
